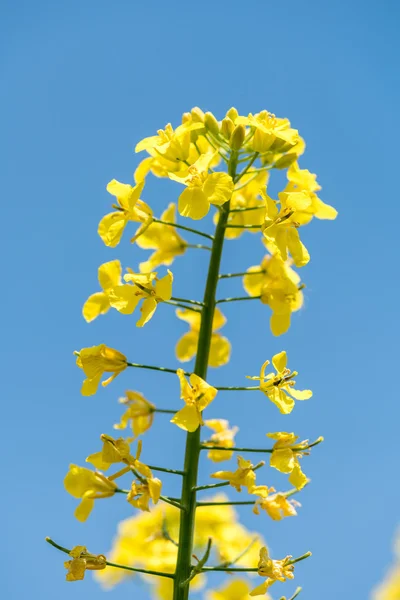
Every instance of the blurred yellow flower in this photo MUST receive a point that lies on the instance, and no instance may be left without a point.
(141, 286)
(278, 286)
(238, 589)
(109, 275)
(273, 570)
(88, 486)
(223, 436)
(82, 561)
(186, 348)
(129, 207)
(97, 360)
(139, 413)
(164, 239)
(286, 454)
(278, 387)
(197, 394)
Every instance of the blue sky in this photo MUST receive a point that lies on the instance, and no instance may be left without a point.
(82, 83)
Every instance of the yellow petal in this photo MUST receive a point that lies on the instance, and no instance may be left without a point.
(281, 400)
(280, 322)
(218, 188)
(111, 228)
(322, 210)
(187, 418)
(89, 386)
(283, 460)
(299, 394)
(97, 461)
(84, 509)
(297, 477)
(186, 347)
(280, 361)
(297, 249)
(110, 274)
(220, 351)
(155, 489)
(164, 286)
(191, 317)
(97, 304)
(124, 298)
(193, 203)
(143, 169)
(147, 309)
(261, 589)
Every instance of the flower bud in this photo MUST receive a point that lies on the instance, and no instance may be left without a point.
(227, 127)
(232, 114)
(237, 137)
(197, 115)
(285, 161)
(211, 123)
(186, 118)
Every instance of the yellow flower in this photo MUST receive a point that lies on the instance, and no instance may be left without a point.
(139, 412)
(197, 394)
(277, 506)
(278, 287)
(280, 228)
(97, 360)
(203, 188)
(247, 197)
(141, 286)
(302, 181)
(142, 492)
(238, 589)
(82, 561)
(89, 486)
(98, 304)
(113, 451)
(286, 454)
(273, 570)
(278, 387)
(270, 132)
(223, 436)
(186, 348)
(244, 475)
(164, 239)
(129, 207)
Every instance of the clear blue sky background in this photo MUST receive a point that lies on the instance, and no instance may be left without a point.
(82, 82)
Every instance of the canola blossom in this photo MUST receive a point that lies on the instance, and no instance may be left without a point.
(223, 168)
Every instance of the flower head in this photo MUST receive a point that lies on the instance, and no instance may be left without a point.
(279, 386)
(273, 570)
(304, 182)
(244, 475)
(141, 286)
(277, 506)
(129, 207)
(223, 436)
(109, 275)
(285, 456)
(197, 394)
(164, 239)
(97, 360)
(186, 348)
(203, 188)
(139, 413)
(82, 561)
(270, 132)
(278, 286)
(88, 486)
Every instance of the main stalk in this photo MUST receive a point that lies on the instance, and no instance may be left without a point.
(192, 451)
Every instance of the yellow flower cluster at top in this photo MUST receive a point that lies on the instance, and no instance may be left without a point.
(224, 167)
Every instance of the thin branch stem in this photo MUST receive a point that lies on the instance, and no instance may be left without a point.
(162, 470)
(236, 560)
(253, 569)
(164, 411)
(227, 503)
(153, 368)
(211, 486)
(241, 274)
(239, 298)
(205, 446)
(240, 187)
(198, 246)
(250, 388)
(178, 226)
(245, 209)
(116, 566)
(180, 305)
(232, 226)
(196, 302)
(247, 167)
(172, 502)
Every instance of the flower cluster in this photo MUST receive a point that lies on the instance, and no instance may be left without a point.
(223, 166)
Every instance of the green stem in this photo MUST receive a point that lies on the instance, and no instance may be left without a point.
(196, 302)
(192, 451)
(253, 569)
(162, 470)
(227, 503)
(239, 298)
(172, 502)
(164, 411)
(171, 224)
(198, 246)
(253, 158)
(205, 446)
(163, 369)
(210, 486)
(110, 564)
(234, 389)
(180, 305)
(229, 275)
(231, 226)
